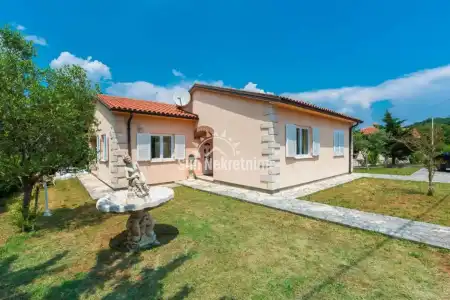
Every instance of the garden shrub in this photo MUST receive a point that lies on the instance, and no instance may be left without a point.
(416, 158)
(16, 217)
(373, 158)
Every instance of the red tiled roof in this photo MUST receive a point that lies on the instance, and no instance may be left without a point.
(369, 130)
(116, 103)
(274, 98)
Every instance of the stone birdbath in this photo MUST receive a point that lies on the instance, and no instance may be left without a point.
(137, 201)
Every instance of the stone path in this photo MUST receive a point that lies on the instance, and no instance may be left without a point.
(421, 175)
(94, 186)
(317, 186)
(427, 233)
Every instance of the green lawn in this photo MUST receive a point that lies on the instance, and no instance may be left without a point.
(389, 171)
(212, 248)
(404, 199)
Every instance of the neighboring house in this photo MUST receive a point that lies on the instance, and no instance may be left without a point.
(358, 158)
(369, 130)
(256, 140)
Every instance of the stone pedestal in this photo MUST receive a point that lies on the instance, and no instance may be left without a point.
(140, 233)
(140, 225)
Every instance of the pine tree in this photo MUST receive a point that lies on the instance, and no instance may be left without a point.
(395, 132)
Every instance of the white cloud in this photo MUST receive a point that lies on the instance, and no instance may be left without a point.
(177, 73)
(414, 96)
(96, 70)
(409, 87)
(252, 87)
(36, 39)
(20, 27)
(149, 91)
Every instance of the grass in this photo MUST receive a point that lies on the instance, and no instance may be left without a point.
(404, 199)
(213, 247)
(389, 171)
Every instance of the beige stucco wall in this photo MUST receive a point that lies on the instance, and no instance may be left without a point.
(297, 171)
(245, 129)
(163, 172)
(238, 119)
(114, 125)
(106, 121)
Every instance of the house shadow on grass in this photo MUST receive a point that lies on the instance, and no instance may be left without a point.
(112, 272)
(164, 232)
(12, 281)
(311, 294)
(72, 218)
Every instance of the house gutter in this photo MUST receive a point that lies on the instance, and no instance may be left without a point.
(350, 148)
(129, 133)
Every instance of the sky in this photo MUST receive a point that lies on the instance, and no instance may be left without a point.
(356, 57)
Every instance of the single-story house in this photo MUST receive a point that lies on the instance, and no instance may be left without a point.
(255, 140)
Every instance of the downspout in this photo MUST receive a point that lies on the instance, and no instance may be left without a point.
(129, 133)
(350, 146)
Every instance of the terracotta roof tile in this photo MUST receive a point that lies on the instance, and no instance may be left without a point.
(116, 103)
(274, 98)
(369, 130)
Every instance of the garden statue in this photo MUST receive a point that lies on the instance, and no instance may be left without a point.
(137, 200)
(136, 180)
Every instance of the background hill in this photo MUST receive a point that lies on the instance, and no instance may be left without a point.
(444, 122)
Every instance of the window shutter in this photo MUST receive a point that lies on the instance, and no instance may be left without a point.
(335, 142)
(143, 146)
(105, 148)
(180, 147)
(98, 148)
(316, 141)
(291, 140)
(341, 142)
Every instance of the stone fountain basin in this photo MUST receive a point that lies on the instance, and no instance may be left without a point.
(117, 201)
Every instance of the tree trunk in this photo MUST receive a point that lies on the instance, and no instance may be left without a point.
(430, 168)
(393, 159)
(27, 190)
(36, 199)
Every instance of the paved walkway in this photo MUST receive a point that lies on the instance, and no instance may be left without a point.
(427, 233)
(421, 175)
(94, 186)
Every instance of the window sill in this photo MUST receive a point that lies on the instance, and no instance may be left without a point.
(103, 160)
(338, 155)
(160, 160)
(303, 157)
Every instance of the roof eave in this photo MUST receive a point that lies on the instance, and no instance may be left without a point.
(273, 98)
(193, 117)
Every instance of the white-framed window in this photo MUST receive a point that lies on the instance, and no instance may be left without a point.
(97, 146)
(102, 148)
(302, 141)
(302, 136)
(338, 142)
(160, 147)
(105, 148)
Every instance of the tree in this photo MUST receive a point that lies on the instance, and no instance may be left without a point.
(47, 116)
(369, 144)
(429, 143)
(361, 145)
(395, 132)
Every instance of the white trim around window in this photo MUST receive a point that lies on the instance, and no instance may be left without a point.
(338, 142)
(303, 144)
(161, 147)
(298, 141)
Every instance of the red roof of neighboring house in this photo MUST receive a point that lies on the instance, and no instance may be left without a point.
(274, 98)
(116, 103)
(369, 130)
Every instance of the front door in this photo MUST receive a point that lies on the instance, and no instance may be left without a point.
(207, 159)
